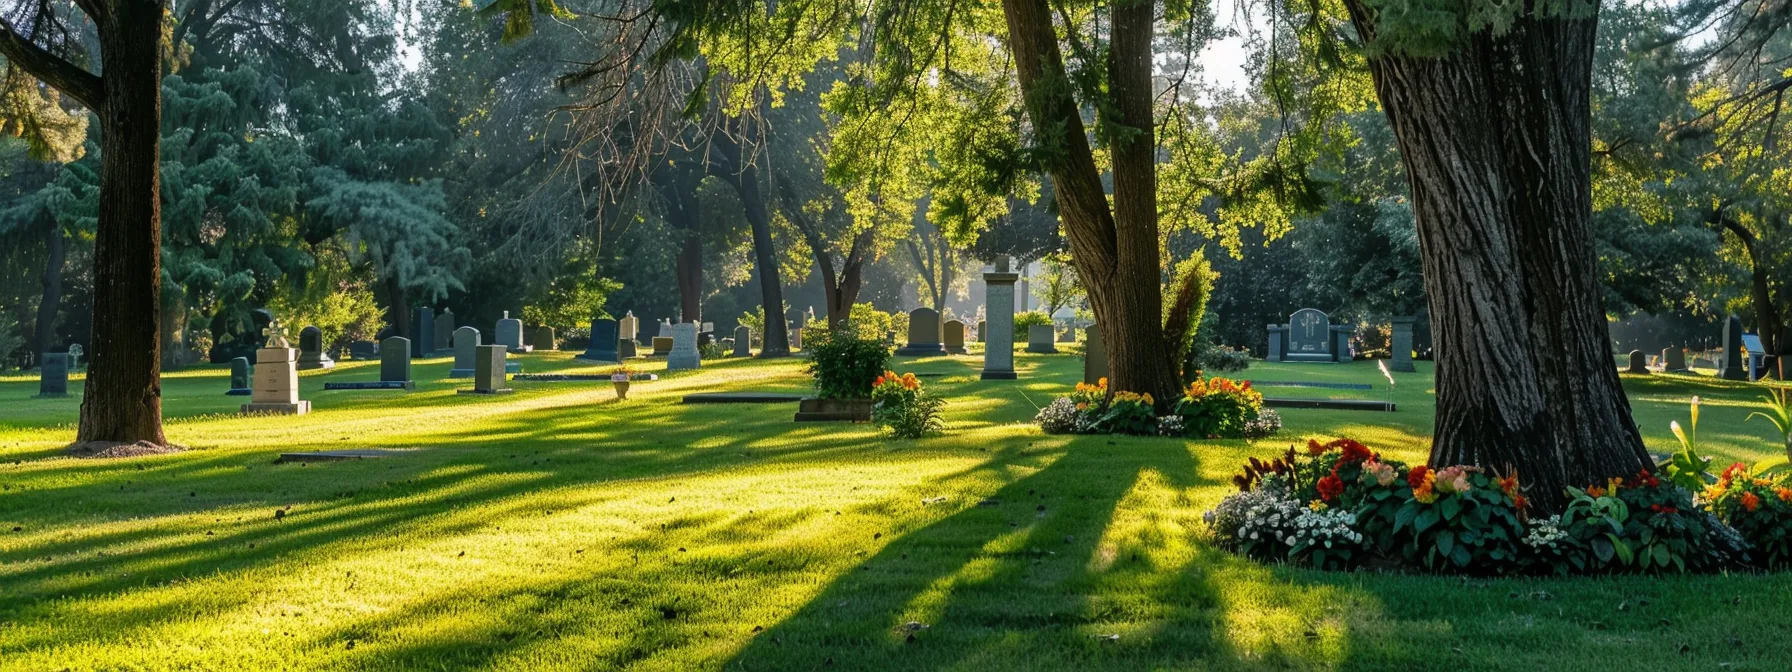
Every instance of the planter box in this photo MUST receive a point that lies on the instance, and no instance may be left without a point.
(834, 410)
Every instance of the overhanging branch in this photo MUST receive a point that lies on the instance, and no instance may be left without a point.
(72, 81)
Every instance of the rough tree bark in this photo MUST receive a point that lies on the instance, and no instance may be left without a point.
(1496, 144)
(51, 305)
(1116, 252)
(744, 176)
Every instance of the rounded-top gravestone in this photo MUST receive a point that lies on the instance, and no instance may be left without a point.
(604, 340)
(311, 350)
(1309, 334)
(466, 349)
(743, 341)
(924, 334)
(1639, 363)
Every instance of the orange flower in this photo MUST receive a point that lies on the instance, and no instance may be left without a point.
(1750, 501)
(1509, 484)
(1595, 491)
(1785, 494)
(1314, 447)
(1425, 492)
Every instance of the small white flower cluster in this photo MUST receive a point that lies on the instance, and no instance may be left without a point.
(1261, 515)
(1171, 425)
(1329, 528)
(1059, 417)
(1268, 422)
(1546, 533)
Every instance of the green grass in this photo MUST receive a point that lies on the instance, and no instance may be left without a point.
(558, 529)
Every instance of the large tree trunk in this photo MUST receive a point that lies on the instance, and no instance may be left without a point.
(1496, 144)
(1767, 315)
(744, 176)
(1115, 251)
(398, 308)
(690, 277)
(51, 305)
(123, 400)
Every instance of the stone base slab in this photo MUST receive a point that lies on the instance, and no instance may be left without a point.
(300, 408)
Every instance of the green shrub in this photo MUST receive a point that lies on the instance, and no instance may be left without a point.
(1128, 413)
(1218, 408)
(1028, 319)
(1459, 518)
(845, 364)
(1759, 508)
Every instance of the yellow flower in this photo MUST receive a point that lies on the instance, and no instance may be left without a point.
(1316, 505)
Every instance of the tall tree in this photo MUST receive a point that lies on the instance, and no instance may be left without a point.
(123, 399)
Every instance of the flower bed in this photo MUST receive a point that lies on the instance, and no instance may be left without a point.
(1212, 408)
(900, 405)
(1340, 505)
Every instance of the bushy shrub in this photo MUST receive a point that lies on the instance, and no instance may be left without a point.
(1257, 522)
(1028, 319)
(1058, 417)
(900, 405)
(1171, 425)
(1218, 407)
(1460, 518)
(1221, 359)
(1128, 413)
(1758, 508)
(844, 364)
(711, 350)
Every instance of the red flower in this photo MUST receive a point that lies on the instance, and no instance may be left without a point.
(1730, 473)
(1314, 447)
(1330, 487)
(1416, 477)
(1354, 451)
(1749, 500)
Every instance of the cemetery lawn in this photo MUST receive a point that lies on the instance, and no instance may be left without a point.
(558, 529)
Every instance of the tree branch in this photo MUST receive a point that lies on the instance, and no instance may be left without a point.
(72, 81)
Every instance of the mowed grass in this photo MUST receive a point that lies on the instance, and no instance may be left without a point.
(559, 529)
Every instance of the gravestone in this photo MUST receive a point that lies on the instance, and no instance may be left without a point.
(954, 337)
(52, 375)
(1400, 343)
(423, 334)
(662, 346)
(603, 342)
(1639, 363)
(510, 334)
(466, 348)
(1278, 343)
(997, 329)
(311, 350)
(1039, 339)
(544, 339)
(74, 356)
(796, 338)
(1095, 356)
(684, 348)
(743, 341)
(443, 339)
(1673, 360)
(395, 361)
(665, 329)
(1732, 364)
(489, 371)
(1754, 356)
(1309, 336)
(276, 387)
(628, 327)
(924, 334)
(241, 373)
(363, 350)
(625, 349)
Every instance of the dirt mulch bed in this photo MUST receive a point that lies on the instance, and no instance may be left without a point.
(110, 449)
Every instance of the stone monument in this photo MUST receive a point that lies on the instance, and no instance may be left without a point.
(1095, 356)
(241, 373)
(1308, 337)
(684, 348)
(510, 334)
(603, 342)
(997, 330)
(1732, 368)
(488, 371)
(954, 337)
(1673, 360)
(544, 339)
(1400, 345)
(662, 346)
(466, 348)
(629, 327)
(311, 350)
(395, 361)
(924, 334)
(743, 341)
(422, 336)
(1639, 363)
(1039, 339)
(626, 349)
(52, 375)
(276, 377)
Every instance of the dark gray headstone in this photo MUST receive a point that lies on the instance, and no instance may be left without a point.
(1673, 360)
(1639, 362)
(542, 338)
(1309, 334)
(1040, 339)
(953, 339)
(311, 350)
(1400, 345)
(510, 334)
(1732, 368)
(604, 340)
(466, 349)
(743, 341)
(395, 360)
(626, 349)
(489, 371)
(53, 375)
(925, 334)
(364, 350)
(242, 375)
(423, 334)
(1095, 355)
